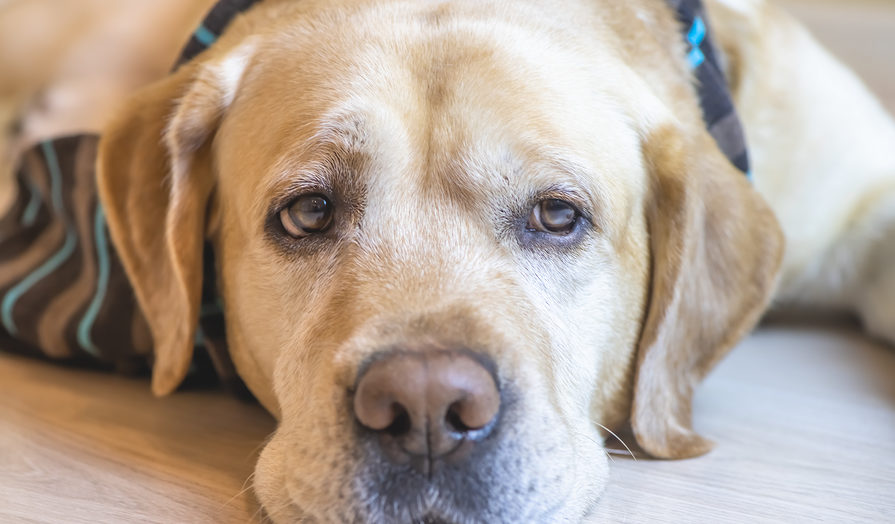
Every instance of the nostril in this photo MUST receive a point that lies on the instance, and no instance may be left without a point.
(454, 421)
(387, 396)
(467, 415)
(402, 423)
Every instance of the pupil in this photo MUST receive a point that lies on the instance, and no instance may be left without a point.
(312, 212)
(557, 213)
(314, 205)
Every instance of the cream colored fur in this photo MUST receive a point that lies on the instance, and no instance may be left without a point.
(435, 125)
(824, 154)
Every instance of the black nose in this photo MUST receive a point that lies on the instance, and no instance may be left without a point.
(427, 407)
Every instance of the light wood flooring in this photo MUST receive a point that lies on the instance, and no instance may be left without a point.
(804, 416)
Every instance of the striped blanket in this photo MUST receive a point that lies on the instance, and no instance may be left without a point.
(63, 292)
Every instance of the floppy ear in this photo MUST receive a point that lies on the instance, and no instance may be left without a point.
(155, 180)
(716, 248)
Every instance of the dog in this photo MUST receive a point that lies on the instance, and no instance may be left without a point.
(457, 242)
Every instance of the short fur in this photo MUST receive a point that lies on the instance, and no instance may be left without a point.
(436, 127)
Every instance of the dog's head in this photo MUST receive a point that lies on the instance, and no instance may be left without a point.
(453, 243)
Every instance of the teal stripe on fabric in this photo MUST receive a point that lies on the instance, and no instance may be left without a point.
(14, 294)
(208, 309)
(199, 337)
(204, 36)
(102, 284)
(30, 214)
(71, 241)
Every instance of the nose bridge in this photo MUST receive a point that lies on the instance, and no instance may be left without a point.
(426, 247)
(427, 260)
(424, 297)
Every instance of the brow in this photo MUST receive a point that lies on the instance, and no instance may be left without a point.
(569, 175)
(330, 161)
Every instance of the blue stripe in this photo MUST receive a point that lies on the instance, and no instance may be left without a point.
(102, 255)
(204, 36)
(208, 309)
(199, 337)
(696, 57)
(30, 214)
(696, 36)
(697, 32)
(71, 240)
(14, 294)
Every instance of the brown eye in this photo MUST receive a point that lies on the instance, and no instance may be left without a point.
(553, 216)
(306, 215)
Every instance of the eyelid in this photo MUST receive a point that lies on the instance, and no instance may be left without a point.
(291, 194)
(298, 233)
(578, 201)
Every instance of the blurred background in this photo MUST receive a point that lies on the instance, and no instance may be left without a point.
(58, 57)
(61, 56)
(65, 65)
(859, 32)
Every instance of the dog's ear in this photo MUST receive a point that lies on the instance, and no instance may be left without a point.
(155, 179)
(716, 249)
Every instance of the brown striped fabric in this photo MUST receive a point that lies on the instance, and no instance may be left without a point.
(63, 291)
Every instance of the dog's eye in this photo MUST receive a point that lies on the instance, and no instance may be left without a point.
(306, 215)
(553, 216)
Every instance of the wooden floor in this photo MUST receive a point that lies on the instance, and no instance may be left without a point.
(81, 446)
(804, 416)
(804, 423)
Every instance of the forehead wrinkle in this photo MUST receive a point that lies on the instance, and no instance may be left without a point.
(518, 174)
(453, 128)
(333, 159)
(584, 182)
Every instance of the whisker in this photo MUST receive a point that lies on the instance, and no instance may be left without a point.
(618, 439)
(595, 441)
(254, 516)
(265, 515)
(263, 443)
(246, 486)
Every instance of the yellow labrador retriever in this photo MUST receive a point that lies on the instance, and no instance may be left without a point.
(457, 240)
